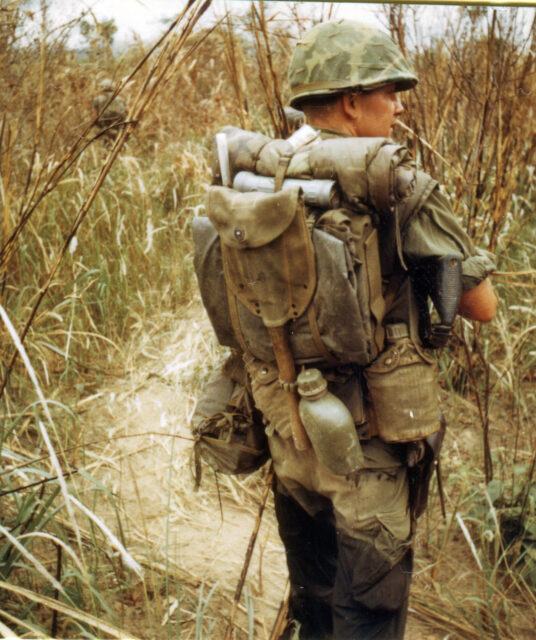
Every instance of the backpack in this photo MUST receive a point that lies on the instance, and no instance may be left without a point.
(273, 268)
(275, 259)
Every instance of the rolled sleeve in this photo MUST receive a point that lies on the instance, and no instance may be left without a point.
(477, 268)
(435, 232)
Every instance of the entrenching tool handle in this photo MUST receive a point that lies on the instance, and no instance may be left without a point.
(287, 374)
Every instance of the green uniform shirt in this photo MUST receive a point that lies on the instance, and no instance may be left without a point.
(434, 232)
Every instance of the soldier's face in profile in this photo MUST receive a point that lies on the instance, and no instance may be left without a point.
(376, 112)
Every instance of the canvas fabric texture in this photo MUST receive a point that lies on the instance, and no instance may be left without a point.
(267, 251)
(343, 319)
(412, 218)
(343, 54)
(228, 429)
(372, 507)
(381, 189)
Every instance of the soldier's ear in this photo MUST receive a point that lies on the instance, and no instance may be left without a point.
(351, 106)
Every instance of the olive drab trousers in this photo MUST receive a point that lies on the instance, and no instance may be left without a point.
(347, 542)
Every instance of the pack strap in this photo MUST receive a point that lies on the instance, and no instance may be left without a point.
(377, 304)
(232, 303)
(398, 236)
(395, 282)
(280, 172)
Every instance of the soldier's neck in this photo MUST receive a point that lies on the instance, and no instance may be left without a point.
(334, 124)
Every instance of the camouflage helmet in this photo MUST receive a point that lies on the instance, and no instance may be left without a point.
(106, 85)
(334, 57)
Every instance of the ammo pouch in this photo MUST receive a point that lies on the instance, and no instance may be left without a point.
(403, 389)
(228, 430)
(274, 269)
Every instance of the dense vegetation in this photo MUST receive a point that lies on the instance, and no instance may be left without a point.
(95, 257)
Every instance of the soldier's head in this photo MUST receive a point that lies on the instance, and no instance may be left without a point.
(346, 76)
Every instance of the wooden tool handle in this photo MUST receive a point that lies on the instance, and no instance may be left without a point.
(287, 374)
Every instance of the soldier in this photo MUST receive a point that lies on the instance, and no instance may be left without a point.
(348, 538)
(349, 546)
(108, 122)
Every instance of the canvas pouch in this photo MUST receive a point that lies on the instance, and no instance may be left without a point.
(267, 253)
(404, 392)
(228, 429)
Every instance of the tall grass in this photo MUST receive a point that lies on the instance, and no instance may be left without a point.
(71, 300)
(95, 260)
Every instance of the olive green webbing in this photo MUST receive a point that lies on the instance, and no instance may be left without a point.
(281, 170)
(393, 287)
(377, 304)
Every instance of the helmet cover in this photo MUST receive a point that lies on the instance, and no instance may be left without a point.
(335, 57)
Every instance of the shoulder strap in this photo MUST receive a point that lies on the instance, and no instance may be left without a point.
(412, 204)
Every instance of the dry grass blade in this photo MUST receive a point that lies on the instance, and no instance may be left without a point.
(19, 348)
(267, 75)
(282, 615)
(7, 632)
(58, 543)
(68, 611)
(436, 613)
(234, 58)
(430, 147)
(127, 558)
(470, 542)
(264, 57)
(5, 176)
(35, 633)
(31, 558)
(249, 551)
(109, 313)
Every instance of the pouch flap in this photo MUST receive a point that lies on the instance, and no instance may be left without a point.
(275, 280)
(250, 220)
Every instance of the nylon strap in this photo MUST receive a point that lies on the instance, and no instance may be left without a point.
(377, 304)
(393, 287)
(398, 235)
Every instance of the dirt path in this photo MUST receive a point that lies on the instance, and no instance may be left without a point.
(199, 537)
